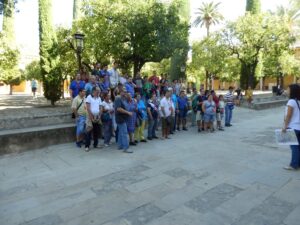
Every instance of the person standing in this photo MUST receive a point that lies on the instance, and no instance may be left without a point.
(93, 121)
(194, 106)
(34, 87)
(106, 117)
(75, 86)
(182, 109)
(220, 112)
(90, 85)
(152, 110)
(166, 109)
(209, 109)
(130, 87)
(121, 115)
(154, 78)
(200, 115)
(139, 82)
(142, 116)
(114, 78)
(229, 106)
(79, 110)
(131, 120)
(292, 121)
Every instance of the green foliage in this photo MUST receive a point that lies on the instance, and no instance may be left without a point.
(253, 6)
(251, 35)
(112, 30)
(33, 71)
(49, 60)
(211, 54)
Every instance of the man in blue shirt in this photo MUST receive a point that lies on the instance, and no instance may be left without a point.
(75, 86)
(129, 85)
(182, 110)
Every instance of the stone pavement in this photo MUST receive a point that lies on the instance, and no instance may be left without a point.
(233, 177)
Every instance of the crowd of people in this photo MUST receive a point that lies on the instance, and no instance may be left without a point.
(107, 104)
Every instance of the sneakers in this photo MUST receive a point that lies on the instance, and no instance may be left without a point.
(87, 149)
(199, 130)
(106, 145)
(143, 140)
(132, 143)
(149, 138)
(185, 129)
(155, 137)
(289, 168)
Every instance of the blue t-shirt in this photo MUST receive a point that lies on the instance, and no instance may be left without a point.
(182, 103)
(129, 88)
(209, 107)
(75, 86)
(88, 88)
(174, 100)
(142, 110)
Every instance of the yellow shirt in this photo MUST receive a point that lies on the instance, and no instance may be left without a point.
(82, 109)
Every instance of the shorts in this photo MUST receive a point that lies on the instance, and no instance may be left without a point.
(220, 116)
(199, 116)
(209, 118)
(80, 125)
(33, 89)
(182, 113)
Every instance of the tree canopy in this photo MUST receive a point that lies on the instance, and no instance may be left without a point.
(157, 34)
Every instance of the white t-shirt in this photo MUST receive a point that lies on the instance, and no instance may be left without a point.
(295, 120)
(167, 105)
(107, 106)
(95, 104)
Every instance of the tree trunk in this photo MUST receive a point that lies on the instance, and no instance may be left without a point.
(137, 66)
(206, 79)
(10, 89)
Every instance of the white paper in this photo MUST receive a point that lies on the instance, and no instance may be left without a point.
(287, 138)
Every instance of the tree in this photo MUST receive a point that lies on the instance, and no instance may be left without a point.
(112, 30)
(9, 58)
(179, 57)
(9, 54)
(211, 54)
(50, 71)
(208, 14)
(253, 6)
(33, 71)
(250, 36)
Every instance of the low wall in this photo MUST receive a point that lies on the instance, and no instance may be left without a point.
(20, 140)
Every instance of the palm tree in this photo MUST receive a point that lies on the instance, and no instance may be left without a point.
(208, 15)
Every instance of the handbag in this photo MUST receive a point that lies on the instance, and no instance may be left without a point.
(73, 114)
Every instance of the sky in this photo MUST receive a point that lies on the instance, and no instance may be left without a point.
(26, 20)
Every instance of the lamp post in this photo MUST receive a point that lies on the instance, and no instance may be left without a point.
(78, 44)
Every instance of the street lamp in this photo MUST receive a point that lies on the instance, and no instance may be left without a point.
(78, 44)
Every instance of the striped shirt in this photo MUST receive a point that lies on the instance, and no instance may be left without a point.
(229, 98)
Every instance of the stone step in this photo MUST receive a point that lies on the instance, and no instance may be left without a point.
(20, 140)
(9, 123)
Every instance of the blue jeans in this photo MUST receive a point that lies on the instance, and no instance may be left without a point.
(80, 125)
(152, 124)
(295, 161)
(107, 129)
(123, 142)
(228, 114)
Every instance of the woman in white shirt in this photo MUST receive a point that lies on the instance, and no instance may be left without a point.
(107, 110)
(292, 121)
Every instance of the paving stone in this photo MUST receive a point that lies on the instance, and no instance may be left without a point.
(287, 192)
(148, 183)
(177, 172)
(44, 220)
(141, 215)
(271, 211)
(213, 198)
(293, 218)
